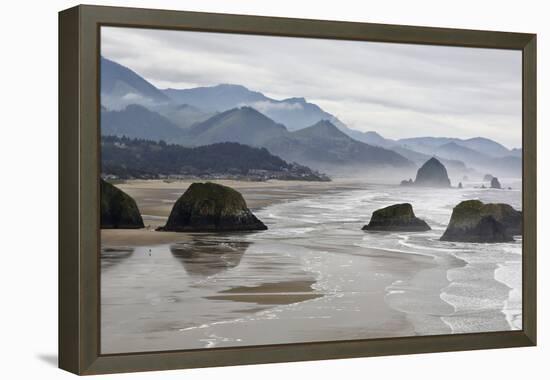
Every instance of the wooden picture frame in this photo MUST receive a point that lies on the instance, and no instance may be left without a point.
(79, 188)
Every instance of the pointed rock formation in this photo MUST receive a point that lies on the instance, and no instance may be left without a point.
(118, 209)
(208, 207)
(474, 221)
(433, 174)
(399, 217)
(495, 184)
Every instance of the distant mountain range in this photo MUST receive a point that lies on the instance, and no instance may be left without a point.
(244, 125)
(292, 128)
(136, 121)
(480, 153)
(323, 145)
(121, 86)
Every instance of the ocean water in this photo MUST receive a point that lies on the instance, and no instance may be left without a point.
(368, 284)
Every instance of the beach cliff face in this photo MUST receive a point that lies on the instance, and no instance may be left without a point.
(474, 221)
(118, 209)
(208, 207)
(399, 217)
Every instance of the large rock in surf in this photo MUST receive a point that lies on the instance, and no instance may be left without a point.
(487, 177)
(474, 221)
(399, 217)
(208, 207)
(433, 174)
(495, 184)
(505, 214)
(118, 209)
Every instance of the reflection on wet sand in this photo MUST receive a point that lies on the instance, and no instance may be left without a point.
(209, 256)
(114, 256)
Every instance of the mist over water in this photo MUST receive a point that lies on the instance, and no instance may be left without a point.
(365, 284)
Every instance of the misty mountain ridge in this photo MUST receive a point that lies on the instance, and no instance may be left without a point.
(244, 125)
(137, 121)
(323, 129)
(196, 113)
(324, 147)
(294, 112)
(121, 86)
(320, 146)
(479, 144)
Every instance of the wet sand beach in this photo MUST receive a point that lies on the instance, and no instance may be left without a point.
(312, 276)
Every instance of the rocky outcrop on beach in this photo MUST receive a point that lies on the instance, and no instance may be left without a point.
(495, 184)
(398, 217)
(460, 185)
(206, 207)
(487, 177)
(432, 174)
(118, 209)
(505, 214)
(474, 221)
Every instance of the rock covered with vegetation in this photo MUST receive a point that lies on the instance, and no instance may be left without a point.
(474, 221)
(206, 207)
(398, 217)
(118, 209)
(126, 158)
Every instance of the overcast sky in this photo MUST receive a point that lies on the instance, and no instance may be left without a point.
(395, 89)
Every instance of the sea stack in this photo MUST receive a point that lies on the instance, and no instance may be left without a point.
(433, 174)
(209, 207)
(476, 222)
(118, 209)
(399, 217)
(495, 184)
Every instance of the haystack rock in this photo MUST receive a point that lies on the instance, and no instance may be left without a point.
(433, 174)
(487, 177)
(399, 217)
(208, 207)
(474, 221)
(495, 184)
(118, 209)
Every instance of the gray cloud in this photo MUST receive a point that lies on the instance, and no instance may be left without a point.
(398, 90)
